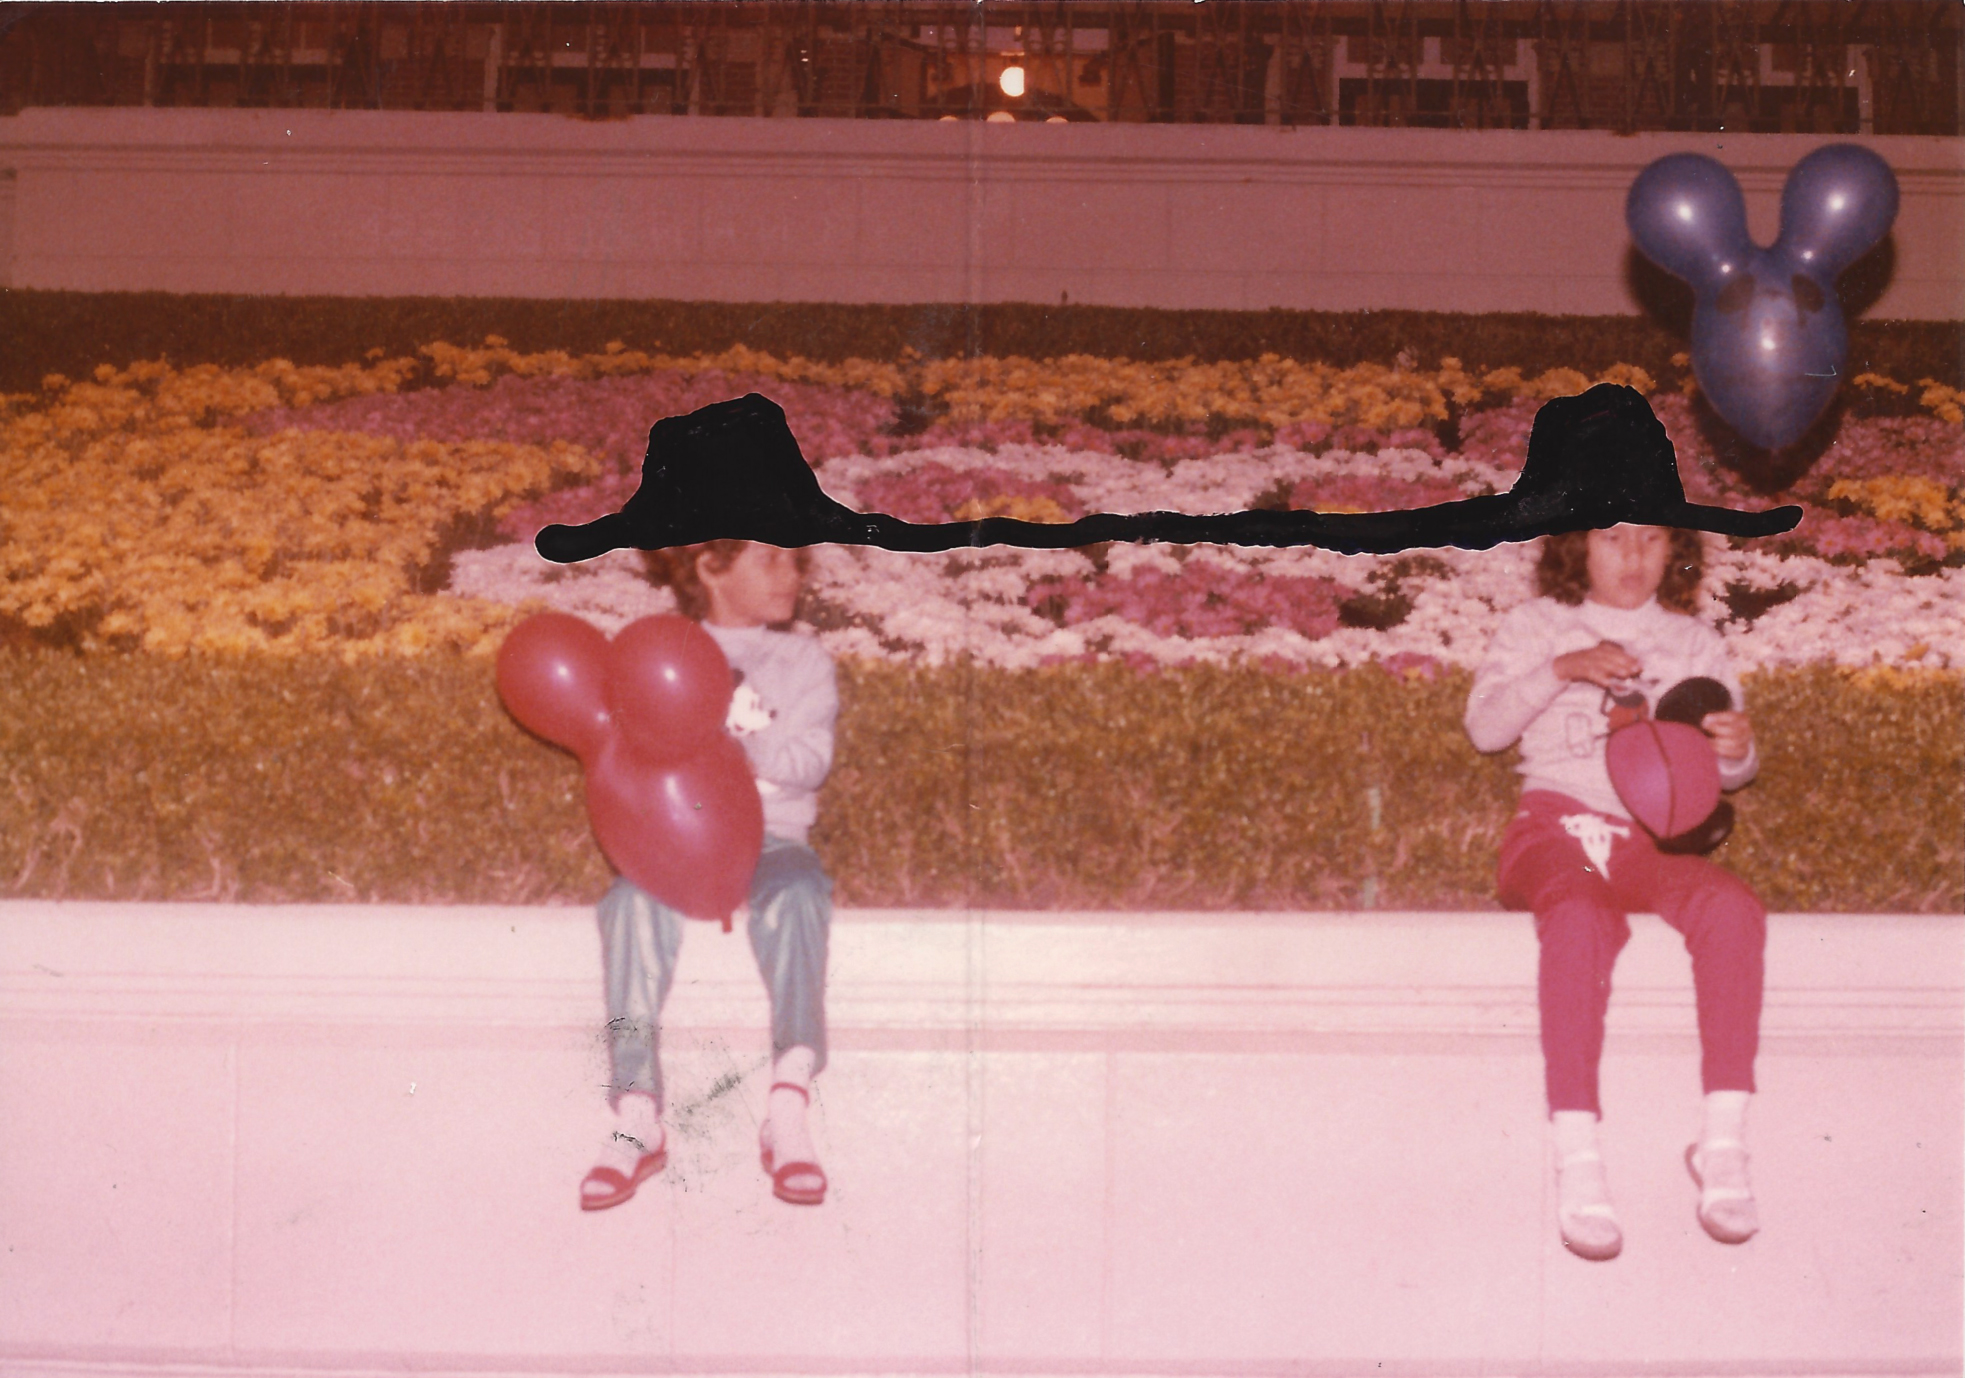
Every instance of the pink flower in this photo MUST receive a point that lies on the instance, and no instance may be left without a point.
(1499, 435)
(1833, 536)
(935, 492)
(1203, 600)
(610, 417)
(1365, 492)
(1304, 435)
(1409, 665)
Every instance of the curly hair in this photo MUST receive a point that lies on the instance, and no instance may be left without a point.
(678, 567)
(1564, 570)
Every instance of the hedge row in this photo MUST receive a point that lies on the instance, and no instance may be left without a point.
(72, 332)
(1083, 786)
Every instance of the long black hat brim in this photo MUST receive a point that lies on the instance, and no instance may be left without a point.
(1727, 521)
(734, 470)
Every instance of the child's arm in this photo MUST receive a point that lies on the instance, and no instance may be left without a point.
(795, 751)
(1515, 683)
(1732, 733)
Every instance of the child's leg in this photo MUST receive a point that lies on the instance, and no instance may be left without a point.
(1580, 937)
(1725, 929)
(790, 923)
(1581, 931)
(639, 941)
(1545, 868)
(639, 938)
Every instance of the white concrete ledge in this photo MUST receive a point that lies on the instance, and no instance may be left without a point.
(345, 1140)
(1117, 978)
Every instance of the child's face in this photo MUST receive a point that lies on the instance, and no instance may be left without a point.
(758, 587)
(1627, 563)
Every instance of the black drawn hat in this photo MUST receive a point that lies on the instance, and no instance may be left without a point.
(1602, 458)
(733, 470)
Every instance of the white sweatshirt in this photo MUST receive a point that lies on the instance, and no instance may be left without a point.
(783, 712)
(1562, 725)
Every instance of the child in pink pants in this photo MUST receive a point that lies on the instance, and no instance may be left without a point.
(1613, 622)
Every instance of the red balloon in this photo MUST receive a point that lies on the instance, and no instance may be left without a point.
(552, 675)
(690, 833)
(1666, 773)
(668, 687)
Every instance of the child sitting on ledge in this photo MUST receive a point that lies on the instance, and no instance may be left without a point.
(783, 712)
(1611, 632)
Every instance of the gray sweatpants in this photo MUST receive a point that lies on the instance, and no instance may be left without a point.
(790, 921)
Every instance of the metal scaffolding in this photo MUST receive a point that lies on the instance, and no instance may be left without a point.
(1822, 66)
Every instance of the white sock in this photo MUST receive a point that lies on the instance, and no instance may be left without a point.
(1575, 1131)
(1726, 1118)
(1583, 1189)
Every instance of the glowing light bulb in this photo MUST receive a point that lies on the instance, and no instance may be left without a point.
(1838, 201)
(1684, 211)
(1011, 81)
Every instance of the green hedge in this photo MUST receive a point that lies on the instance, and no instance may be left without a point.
(1084, 786)
(73, 332)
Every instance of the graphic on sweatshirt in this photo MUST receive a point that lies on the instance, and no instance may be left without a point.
(1627, 702)
(747, 711)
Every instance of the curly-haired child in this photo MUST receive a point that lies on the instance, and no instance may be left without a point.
(1614, 622)
(783, 712)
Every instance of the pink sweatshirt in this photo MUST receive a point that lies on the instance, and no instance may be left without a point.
(1562, 725)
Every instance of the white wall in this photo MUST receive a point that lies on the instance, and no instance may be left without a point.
(271, 1141)
(401, 203)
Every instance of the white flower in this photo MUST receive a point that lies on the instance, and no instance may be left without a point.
(930, 609)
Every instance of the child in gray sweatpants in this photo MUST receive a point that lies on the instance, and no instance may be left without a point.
(783, 710)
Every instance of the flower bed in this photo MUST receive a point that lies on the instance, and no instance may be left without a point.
(308, 517)
(140, 515)
(387, 507)
(1877, 578)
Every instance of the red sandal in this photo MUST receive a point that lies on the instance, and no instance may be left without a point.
(782, 1173)
(619, 1187)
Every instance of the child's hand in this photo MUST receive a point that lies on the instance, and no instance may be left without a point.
(1604, 663)
(1732, 734)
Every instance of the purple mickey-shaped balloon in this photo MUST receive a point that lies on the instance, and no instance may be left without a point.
(1768, 339)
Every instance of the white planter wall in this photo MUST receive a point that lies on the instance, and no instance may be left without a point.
(1234, 217)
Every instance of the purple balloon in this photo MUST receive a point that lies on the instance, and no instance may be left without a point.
(1838, 202)
(1768, 338)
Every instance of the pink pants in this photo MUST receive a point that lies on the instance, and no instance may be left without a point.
(1581, 872)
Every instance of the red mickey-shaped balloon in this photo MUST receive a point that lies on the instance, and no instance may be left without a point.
(668, 687)
(552, 675)
(690, 833)
(670, 793)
